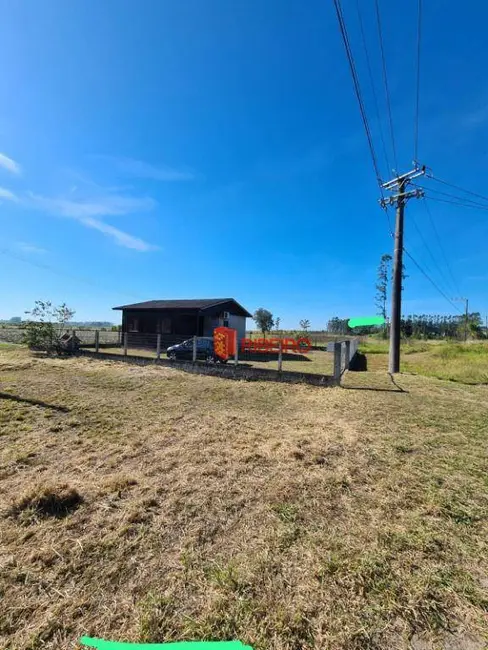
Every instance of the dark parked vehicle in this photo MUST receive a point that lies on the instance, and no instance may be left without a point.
(205, 350)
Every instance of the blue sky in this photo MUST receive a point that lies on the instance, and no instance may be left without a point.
(193, 148)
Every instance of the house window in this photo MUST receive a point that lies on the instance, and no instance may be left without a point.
(225, 322)
(133, 325)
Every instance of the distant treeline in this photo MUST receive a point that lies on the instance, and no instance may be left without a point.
(85, 323)
(90, 323)
(420, 326)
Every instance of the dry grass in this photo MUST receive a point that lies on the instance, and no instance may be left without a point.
(461, 362)
(315, 361)
(286, 516)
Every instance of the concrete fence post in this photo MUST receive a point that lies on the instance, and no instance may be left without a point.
(97, 340)
(158, 347)
(347, 354)
(280, 356)
(194, 356)
(126, 341)
(337, 360)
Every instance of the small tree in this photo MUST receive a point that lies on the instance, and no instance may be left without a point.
(264, 320)
(382, 286)
(47, 326)
(277, 323)
(305, 324)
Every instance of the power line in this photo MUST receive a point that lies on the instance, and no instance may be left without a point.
(373, 88)
(430, 279)
(47, 267)
(389, 221)
(434, 228)
(456, 187)
(429, 250)
(357, 88)
(385, 80)
(419, 40)
(475, 206)
(462, 199)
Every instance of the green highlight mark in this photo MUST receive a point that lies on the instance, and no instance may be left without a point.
(367, 320)
(179, 645)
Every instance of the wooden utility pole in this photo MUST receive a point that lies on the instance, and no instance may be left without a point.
(396, 296)
(399, 199)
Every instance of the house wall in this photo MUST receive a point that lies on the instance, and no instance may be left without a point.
(179, 322)
(235, 322)
(238, 323)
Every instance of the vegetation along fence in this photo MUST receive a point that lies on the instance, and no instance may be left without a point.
(324, 366)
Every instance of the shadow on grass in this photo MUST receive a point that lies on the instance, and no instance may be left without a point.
(396, 389)
(272, 356)
(33, 402)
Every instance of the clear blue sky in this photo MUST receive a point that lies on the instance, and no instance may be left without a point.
(208, 148)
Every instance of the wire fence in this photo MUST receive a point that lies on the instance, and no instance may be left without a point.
(85, 336)
(321, 358)
(151, 345)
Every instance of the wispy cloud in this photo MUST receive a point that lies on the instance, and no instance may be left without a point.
(30, 248)
(87, 203)
(9, 164)
(104, 205)
(476, 118)
(7, 194)
(141, 169)
(85, 212)
(120, 237)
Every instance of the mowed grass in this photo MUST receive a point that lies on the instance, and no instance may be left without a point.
(315, 361)
(146, 504)
(461, 362)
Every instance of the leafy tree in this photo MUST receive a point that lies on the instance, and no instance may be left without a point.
(264, 320)
(383, 278)
(47, 326)
(305, 324)
(277, 323)
(338, 325)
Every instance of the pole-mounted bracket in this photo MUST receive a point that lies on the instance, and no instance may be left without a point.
(399, 183)
(391, 200)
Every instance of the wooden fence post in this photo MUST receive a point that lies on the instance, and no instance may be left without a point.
(97, 340)
(194, 356)
(125, 343)
(237, 348)
(337, 360)
(280, 356)
(347, 354)
(158, 347)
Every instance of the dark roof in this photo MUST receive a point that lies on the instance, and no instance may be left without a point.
(197, 303)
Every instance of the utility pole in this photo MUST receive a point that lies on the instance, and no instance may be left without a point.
(396, 296)
(400, 197)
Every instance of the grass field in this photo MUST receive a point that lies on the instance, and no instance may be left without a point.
(461, 362)
(315, 361)
(146, 504)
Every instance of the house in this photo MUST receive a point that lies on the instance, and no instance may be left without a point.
(176, 320)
